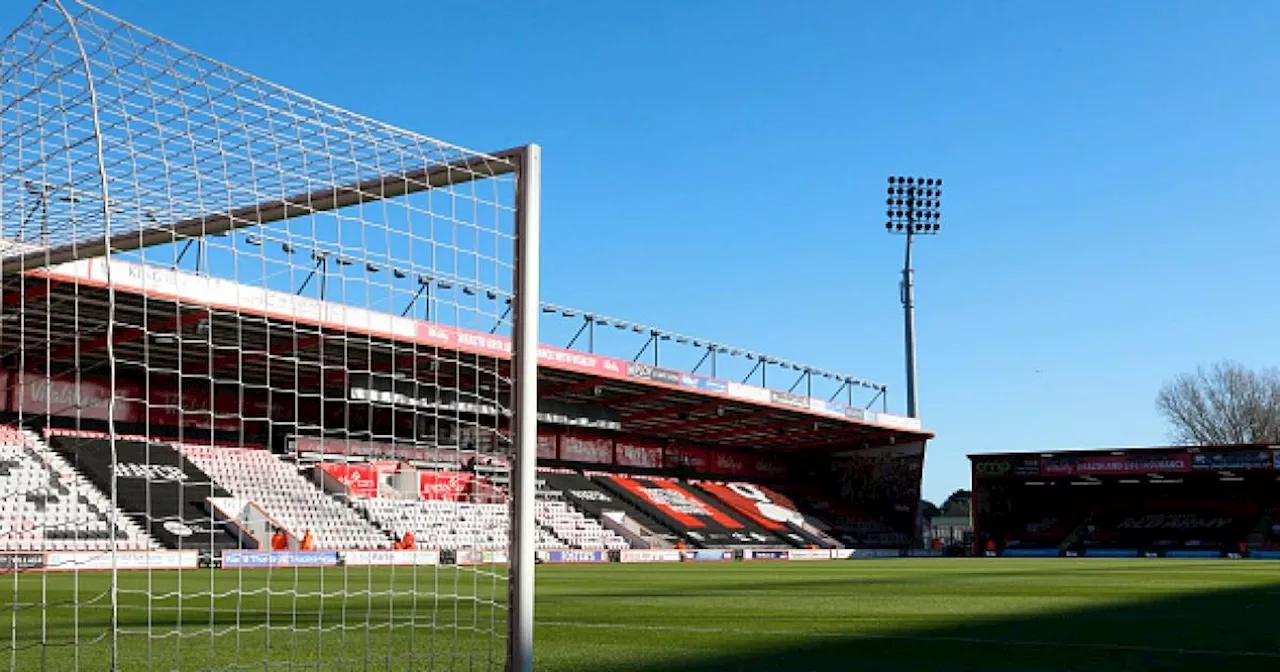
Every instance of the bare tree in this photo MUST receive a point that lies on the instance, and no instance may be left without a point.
(1223, 404)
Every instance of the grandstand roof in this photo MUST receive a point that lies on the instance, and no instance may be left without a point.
(184, 322)
(1140, 450)
(1128, 463)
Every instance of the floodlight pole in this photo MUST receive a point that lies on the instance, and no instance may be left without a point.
(913, 208)
(908, 288)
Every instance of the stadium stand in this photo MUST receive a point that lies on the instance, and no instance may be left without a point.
(46, 505)
(569, 525)
(620, 516)
(157, 487)
(698, 520)
(288, 497)
(442, 524)
(448, 524)
(849, 526)
(770, 510)
(1164, 525)
(1038, 519)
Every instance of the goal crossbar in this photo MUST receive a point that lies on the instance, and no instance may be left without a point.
(460, 171)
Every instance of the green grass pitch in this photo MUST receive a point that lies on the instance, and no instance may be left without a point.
(927, 614)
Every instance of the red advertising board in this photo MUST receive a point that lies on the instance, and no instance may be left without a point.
(306, 444)
(498, 346)
(161, 403)
(446, 485)
(361, 480)
(731, 464)
(770, 466)
(547, 445)
(1102, 465)
(629, 453)
(69, 396)
(687, 457)
(591, 448)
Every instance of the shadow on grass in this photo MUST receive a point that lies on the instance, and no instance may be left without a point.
(1232, 630)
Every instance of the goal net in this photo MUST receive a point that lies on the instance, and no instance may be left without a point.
(264, 366)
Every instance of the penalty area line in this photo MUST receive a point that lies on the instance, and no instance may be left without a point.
(957, 639)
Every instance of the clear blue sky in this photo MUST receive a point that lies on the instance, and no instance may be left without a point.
(1111, 169)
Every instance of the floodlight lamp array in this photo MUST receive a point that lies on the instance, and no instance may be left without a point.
(914, 205)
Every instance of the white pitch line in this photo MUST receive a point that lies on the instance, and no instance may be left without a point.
(1135, 648)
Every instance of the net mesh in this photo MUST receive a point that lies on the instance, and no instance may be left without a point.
(237, 319)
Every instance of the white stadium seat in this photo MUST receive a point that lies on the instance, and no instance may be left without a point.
(45, 505)
(287, 496)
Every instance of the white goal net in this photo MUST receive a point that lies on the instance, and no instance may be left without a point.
(264, 371)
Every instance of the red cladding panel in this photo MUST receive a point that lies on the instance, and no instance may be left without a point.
(360, 480)
(445, 485)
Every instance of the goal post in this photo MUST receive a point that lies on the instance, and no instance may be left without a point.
(269, 371)
(525, 384)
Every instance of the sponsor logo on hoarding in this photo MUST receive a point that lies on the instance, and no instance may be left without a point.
(637, 455)
(728, 463)
(122, 560)
(705, 555)
(866, 553)
(1121, 464)
(235, 559)
(359, 479)
(666, 376)
(21, 561)
(750, 392)
(611, 365)
(639, 370)
(659, 555)
(578, 556)
(1276, 462)
(690, 380)
(789, 399)
(992, 468)
(443, 485)
(713, 385)
(766, 554)
(809, 554)
(1027, 467)
(1232, 460)
(380, 558)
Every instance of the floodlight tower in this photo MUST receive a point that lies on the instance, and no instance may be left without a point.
(914, 209)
